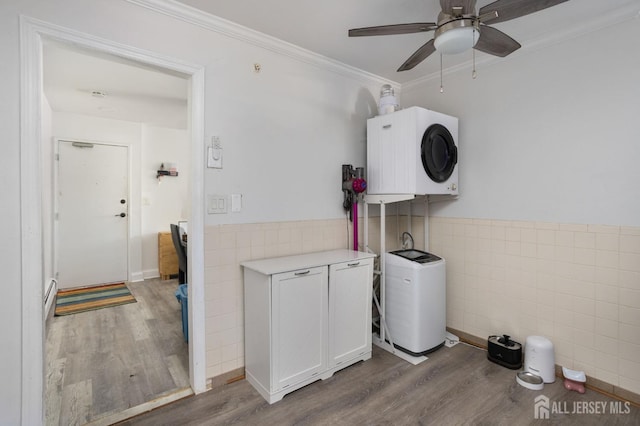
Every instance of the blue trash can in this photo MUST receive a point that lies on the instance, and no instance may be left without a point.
(181, 295)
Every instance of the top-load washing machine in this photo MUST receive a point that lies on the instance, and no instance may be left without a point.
(415, 300)
(412, 151)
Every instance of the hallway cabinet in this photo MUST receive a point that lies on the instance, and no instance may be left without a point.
(306, 317)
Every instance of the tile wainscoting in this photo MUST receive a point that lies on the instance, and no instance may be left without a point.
(578, 285)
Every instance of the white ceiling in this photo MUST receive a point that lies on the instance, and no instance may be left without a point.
(138, 93)
(322, 26)
(132, 91)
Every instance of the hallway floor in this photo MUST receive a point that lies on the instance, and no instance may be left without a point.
(106, 361)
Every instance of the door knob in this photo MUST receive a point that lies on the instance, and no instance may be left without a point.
(122, 215)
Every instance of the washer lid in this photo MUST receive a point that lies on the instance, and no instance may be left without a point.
(439, 153)
(418, 256)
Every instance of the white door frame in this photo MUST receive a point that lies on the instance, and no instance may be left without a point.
(33, 357)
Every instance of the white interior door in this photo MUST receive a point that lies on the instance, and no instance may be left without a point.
(93, 214)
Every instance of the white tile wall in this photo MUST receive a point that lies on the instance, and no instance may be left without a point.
(578, 285)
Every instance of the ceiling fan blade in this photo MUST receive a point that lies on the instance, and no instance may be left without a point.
(418, 56)
(495, 42)
(511, 9)
(468, 6)
(417, 27)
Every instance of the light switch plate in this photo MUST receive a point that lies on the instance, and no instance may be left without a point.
(216, 204)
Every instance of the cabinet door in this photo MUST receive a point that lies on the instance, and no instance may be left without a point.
(349, 310)
(299, 320)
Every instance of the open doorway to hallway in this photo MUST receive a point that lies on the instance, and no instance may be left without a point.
(102, 362)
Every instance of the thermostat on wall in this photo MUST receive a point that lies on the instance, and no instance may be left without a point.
(214, 154)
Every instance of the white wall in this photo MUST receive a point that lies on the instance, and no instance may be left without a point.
(548, 135)
(285, 134)
(285, 131)
(166, 201)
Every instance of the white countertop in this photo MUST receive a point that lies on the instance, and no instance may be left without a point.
(276, 265)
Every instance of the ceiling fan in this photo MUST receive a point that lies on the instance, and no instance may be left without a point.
(459, 28)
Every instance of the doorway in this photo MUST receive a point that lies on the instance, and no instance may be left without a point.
(102, 362)
(33, 248)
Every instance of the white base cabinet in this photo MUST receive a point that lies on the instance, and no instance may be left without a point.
(306, 317)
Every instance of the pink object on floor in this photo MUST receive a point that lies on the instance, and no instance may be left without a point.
(574, 386)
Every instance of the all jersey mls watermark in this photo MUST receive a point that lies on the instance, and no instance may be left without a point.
(543, 407)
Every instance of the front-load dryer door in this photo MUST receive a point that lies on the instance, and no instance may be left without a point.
(439, 153)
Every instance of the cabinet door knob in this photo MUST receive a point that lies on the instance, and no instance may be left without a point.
(353, 264)
(303, 272)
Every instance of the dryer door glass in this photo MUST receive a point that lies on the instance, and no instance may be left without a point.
(439, 153)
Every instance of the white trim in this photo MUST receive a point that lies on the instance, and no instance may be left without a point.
(31, 33)
(141, 409)
(195, 255)
(135, 277)
(227, 28)
(614, 17)
(32, 412)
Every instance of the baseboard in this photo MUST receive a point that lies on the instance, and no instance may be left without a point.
(137, 276)
(150, 273)
(226, 378)
(592, 383)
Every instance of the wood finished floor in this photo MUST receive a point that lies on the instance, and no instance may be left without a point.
(105, 361)
(454, 386)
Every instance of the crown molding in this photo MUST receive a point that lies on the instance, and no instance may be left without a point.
(230, 29)
(613, 17)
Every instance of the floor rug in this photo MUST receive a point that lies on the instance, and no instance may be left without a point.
(90, 298)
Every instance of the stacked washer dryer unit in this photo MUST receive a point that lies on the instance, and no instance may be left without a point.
(413, 151)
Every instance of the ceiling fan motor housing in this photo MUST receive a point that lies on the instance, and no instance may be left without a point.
(457, 36)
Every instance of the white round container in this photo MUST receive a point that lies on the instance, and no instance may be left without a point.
(539, 358)
(388, 102)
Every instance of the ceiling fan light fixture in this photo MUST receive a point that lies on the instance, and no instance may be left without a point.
(456, 37)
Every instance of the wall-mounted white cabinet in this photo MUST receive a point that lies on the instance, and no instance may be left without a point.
(306, 317)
